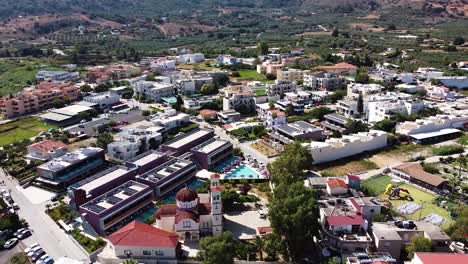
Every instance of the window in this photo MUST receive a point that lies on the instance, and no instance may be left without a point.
(186, 223)
(128, 252)
(147, 252)
(158, 253)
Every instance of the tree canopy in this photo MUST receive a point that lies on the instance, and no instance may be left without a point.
(290, 166)
(218, 249)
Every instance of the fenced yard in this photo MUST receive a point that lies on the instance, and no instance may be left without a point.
(376, 186)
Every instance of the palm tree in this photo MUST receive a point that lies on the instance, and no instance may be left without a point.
(259, 244)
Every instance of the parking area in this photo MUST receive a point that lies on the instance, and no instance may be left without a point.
(36, 195)
(243, 224)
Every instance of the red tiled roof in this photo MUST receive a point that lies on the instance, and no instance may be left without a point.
(353, 177)
(216, 188)
(207, 112)
(143, 235)
(277, 112)
(263, 230)
(181, 215)
(344, 220)
(333, 183)
(166, 210)
(416, 171)
(48, 145)
(204, 209)
(215, 176)
(186, 195)
(355, 205)
(437, 258)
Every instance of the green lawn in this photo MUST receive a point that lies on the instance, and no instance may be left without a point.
(378, 185)
(252, 75)
(260, 92)
(15, 75)
(21, 129)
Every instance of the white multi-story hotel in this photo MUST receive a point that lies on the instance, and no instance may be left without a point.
(291, 74)
(129, 142)
(378, 111)
(324, 81)
(348, 145)
(280, 87)
(355, 89)
(154, 90)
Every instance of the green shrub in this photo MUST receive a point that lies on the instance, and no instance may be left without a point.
(447, 150)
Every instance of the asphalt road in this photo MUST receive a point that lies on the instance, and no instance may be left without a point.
(55, 242)
(132, 116)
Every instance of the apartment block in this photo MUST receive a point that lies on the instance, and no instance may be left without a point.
(67, 169)
(324, 81)
(153, 90)
(112, 210)
(291, 74)
(210, 152)
(37, 99)
(280, 87)
(184, 143)
(168, 176)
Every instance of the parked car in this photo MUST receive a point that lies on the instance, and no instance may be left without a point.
(10, 243)
(19, 231)
(15, 206)
(47, 260)
(261, 214)
(42, 258)
(28, 249)
(37, 255)
(33, 250)
(26, 233)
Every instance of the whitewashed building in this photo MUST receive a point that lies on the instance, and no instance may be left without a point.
(456, 119)
(348, 145)
(355, 89)
(324, 81)
(380, 110)
(291, 74)
(280, 87)
(128, 143)
(154, 90)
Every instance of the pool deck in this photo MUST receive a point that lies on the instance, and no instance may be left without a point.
(259, 175)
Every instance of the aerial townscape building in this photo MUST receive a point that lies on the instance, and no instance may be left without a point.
(238, 132)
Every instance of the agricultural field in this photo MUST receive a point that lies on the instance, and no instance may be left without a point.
(17, 74)
(377, 186)
(21, 129)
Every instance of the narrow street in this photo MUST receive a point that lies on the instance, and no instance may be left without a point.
(55, 242)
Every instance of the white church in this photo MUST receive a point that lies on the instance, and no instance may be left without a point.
(193, 214)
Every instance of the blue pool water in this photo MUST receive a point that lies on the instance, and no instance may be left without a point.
(194, 184)
(242, 170)
(225, 163)
(144, 215)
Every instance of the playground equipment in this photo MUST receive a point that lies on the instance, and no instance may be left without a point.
(394, 191)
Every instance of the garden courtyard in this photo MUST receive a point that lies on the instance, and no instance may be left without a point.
(426, 200)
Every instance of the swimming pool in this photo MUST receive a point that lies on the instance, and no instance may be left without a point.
(226, 163)
(144, 215)
(193, 184)
(243, 172)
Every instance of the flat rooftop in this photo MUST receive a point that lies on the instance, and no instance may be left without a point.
(166, 169)
(298, 128)
(389, 231)
(188, 138)
(211, 145)
(69, 159)
(441, 132)
(114, 197)
(145, 159)
(107, 176)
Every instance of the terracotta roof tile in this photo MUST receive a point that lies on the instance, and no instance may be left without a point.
(143, 235)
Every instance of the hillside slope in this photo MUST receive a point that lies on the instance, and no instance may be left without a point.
(125, 9)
